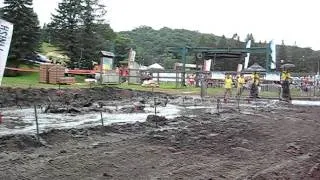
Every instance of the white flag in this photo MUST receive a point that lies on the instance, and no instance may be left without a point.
(246, 60)
(6, 30)
(273, 55)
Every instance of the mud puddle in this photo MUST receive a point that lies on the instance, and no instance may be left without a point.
(22, 121)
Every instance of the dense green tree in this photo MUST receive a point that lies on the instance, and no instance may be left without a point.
(238, 43)
(66, 31)
(122, 45)
(282, 54)
(79, 29)
(283, 51)
(26, 34)
(93, 37)
(223, 43)
(45, 34)
(207, 41)
(152, 46)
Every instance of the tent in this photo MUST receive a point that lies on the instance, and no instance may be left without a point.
(255, 68)
(155, 66)
(143, 68)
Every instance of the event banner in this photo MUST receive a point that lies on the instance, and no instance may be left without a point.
(107, 64)
(207, 65)
(6, 30)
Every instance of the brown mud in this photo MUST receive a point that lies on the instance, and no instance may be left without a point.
(265, 142)
(75, 97)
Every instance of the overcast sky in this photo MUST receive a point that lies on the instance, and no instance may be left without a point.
(288, 20)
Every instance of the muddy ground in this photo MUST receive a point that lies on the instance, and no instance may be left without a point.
(277, 141)
(74, 97)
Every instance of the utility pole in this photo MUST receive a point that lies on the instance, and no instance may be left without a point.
(184, 59)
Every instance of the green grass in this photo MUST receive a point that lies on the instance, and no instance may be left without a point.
(23, 80)
(31, 80)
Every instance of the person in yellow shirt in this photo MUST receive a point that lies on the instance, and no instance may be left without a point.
(285, 86)
(228, 87)
(285, 76)
(254, 90)
(240, 83)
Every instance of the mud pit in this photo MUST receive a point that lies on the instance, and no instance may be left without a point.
(269, 140)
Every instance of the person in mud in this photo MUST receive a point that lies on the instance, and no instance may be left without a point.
(136, 107)
(285, 85)
(304, 84)
(228, 87)
(254, 89)
(140, 105)
(240, 85)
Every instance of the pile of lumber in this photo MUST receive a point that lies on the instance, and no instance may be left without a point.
(44, 72)
(55, 73)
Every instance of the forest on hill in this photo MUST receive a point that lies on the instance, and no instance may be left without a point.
(79, 31)
(152, 45)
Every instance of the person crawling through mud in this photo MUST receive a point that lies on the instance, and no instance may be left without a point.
(140, 105)
(145, 76)
(136, 107)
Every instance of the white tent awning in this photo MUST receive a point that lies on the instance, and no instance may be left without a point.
(156, 66)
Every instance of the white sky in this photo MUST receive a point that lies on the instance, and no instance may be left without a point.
(289, 20)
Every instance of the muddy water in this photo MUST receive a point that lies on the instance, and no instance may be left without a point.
(22, 121)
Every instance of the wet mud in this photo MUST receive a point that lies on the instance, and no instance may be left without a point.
(266, 140)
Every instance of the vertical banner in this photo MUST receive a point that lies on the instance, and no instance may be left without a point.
(207, 65)
(273, 55)
(239, 69)
(246, 60)
(107, 64)
(132, 56)
(6, 30)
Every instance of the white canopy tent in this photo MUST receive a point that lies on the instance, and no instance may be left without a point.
(143, 68)
(155, 66)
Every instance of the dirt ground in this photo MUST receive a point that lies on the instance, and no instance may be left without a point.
(77, 97)
(278, 141)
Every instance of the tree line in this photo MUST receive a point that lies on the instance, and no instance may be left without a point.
(79, 29)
